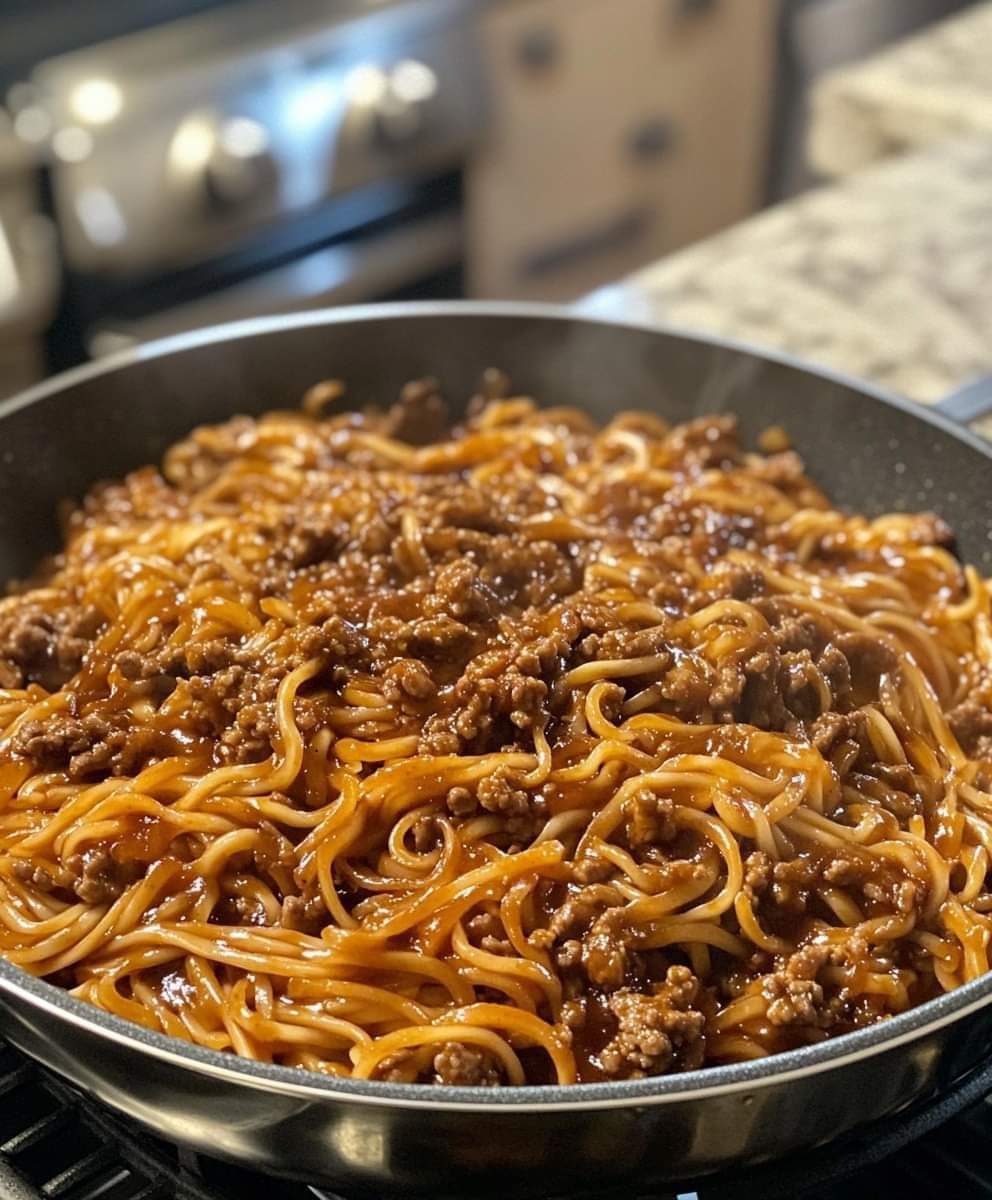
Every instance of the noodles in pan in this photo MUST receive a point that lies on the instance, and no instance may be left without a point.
(521, 752)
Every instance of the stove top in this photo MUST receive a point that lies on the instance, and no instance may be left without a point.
(56, 1144)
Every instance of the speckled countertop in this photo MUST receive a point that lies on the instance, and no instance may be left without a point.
(935, 85)
(886, 275)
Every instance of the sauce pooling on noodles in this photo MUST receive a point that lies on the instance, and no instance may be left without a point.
(525, 752)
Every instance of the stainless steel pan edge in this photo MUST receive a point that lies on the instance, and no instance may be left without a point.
(50, 1003)
(376, 1135)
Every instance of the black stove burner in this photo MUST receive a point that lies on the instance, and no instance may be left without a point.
(56, 1144)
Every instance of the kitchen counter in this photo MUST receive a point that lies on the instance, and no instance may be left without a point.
(886, 275)
(924, 89)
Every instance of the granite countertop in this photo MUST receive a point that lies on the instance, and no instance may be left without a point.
(927, 88)
(886, 275)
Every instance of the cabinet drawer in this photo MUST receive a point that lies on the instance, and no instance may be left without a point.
(622, 130)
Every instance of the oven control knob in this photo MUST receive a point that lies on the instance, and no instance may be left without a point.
(240, 167)
(400, 112)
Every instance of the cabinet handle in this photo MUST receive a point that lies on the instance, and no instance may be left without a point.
(537, 48)
(612, 235)
(652, 139)
(687, 9)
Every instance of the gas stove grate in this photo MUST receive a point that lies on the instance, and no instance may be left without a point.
(57, 1145)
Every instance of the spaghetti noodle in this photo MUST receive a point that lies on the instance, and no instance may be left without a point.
(522, 752)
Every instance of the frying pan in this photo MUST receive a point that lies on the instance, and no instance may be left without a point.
(870, 451)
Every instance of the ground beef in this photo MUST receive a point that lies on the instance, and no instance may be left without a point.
(408, 680)
(580, 909)
(30, 873)
(758, 868)
(606, 950)
(792, 1001)
(45, 646)
(869, 657)
(87, 745)
(656, 1033)
(99, 878)
(833, 730)
(460, 1065)
(306, 913)
(462, 601)
(486, 931)
(523, 812)
(419, 416)
(314, 539)
(704, 443)
(501, 793)
(793, 995)
(971, 723)
(460, 802)
(649, 819)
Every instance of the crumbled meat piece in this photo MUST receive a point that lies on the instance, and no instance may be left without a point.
(792, 1001)
(659, 1032)
(437, 738)
(649, 819)
(898, 894)
(757, 872)
(425, 834)
(869, 657)
(704, 443)
(29, 872)
(833, 728)
(498, 793)
(971, 723)
(459, 592)
(459, 1065)
(591, 868)
(460, 802)
(414, 679)
(836, 671)
(38, 645)
(569, 954)
(793, 995)
(738, 581)
(632, 643)
(527, 695)
(844, 871)
(87, 745)
(579, 910)
(484, 925)
(306, 913)
(313, 539)
(398, 1068)
(419, 416)
(435, 637)
(98, 877)
(791, 883)
(605, 950)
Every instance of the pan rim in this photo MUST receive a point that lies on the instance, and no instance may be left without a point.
(709, 1081)
(506, 309)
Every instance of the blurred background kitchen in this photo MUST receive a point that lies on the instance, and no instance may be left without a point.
(166, 164)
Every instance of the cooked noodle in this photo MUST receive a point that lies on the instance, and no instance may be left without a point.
(522, 753)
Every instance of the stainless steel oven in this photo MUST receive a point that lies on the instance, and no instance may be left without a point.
(257, 157)
(28, 267)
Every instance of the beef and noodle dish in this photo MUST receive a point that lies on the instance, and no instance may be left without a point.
(513, 751)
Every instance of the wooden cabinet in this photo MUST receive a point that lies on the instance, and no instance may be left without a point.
(623, 129)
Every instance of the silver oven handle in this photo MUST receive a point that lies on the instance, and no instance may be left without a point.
(354, 271)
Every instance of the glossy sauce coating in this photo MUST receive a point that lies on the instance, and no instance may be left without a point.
(522, 752)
